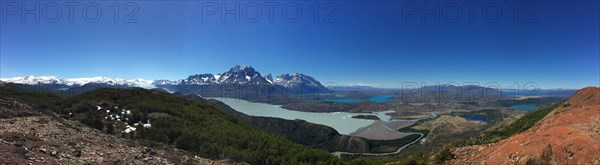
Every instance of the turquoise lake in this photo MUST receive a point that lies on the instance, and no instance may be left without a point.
(523, 107)
(340, 121)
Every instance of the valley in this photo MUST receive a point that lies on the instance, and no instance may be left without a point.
(349, 126)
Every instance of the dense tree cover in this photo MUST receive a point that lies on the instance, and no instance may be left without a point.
(38, 97)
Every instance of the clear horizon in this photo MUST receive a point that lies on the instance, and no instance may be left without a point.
(381, 43)
(408, 85)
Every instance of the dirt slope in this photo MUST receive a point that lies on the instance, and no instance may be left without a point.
(570, 134)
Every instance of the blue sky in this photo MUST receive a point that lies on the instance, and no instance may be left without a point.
(382, 43)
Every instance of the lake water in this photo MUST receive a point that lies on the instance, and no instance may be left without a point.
(375, 99)
(340, 121)
(525, 107)
(476, 118)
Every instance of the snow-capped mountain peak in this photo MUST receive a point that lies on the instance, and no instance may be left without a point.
(237, 75)
(53, 80)
(242, 74)
(164, 82)
(200, 79)
(297, 79)
(237, 68)
(32, 80)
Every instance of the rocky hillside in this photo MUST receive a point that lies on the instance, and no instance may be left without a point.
(13, 108)
(30, 136)
(569, 134)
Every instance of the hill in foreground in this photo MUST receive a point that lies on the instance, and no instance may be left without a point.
(569, 134)
(28, 135)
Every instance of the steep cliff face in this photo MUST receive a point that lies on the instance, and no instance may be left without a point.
(569, 134)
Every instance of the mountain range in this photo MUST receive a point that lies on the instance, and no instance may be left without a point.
(247, 75)
(53, 80)
(236, 78)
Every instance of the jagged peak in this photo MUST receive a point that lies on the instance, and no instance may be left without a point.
(269, 78)
(238, 68)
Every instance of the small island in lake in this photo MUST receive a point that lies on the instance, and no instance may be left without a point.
(369, 117)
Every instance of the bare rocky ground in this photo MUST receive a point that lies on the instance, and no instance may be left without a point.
(28, 136)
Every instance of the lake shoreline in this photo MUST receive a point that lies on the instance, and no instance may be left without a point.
(340, 121)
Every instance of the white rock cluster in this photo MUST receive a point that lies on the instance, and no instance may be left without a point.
(121, 117)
